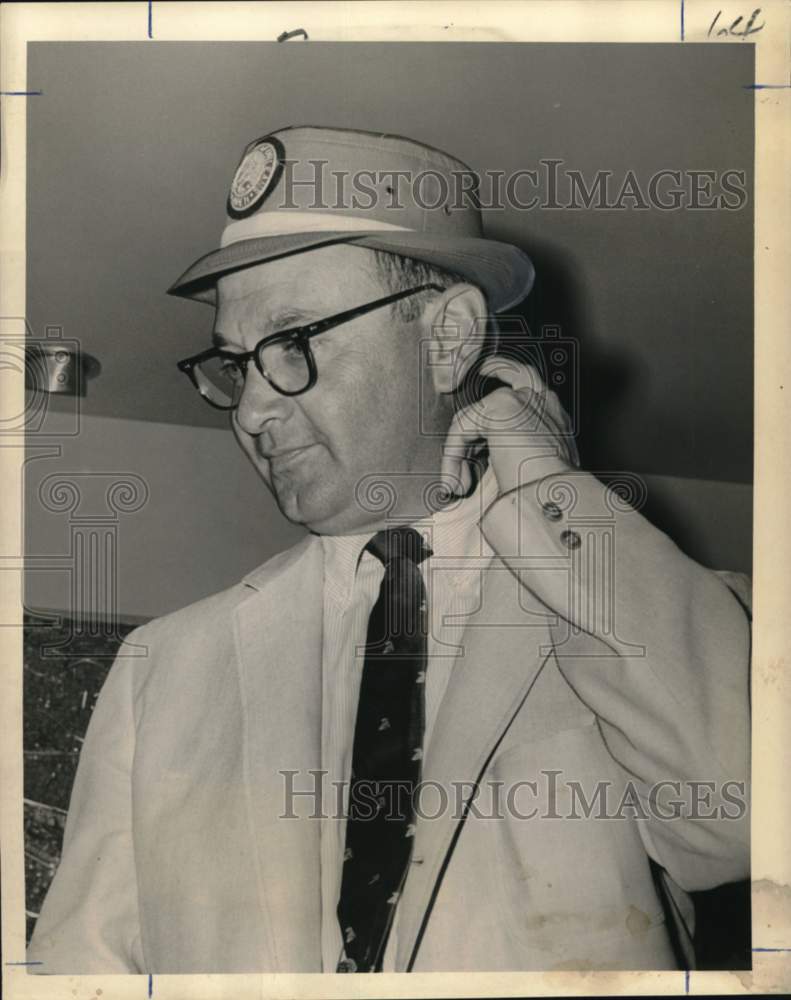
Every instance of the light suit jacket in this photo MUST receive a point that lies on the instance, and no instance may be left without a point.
(619, 661)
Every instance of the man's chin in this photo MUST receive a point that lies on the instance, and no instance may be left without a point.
(315, 502)
(318, 514)
(300, 504)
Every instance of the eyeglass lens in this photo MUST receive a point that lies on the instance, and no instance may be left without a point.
(284, 362)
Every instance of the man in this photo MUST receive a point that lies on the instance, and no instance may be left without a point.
(557, 695)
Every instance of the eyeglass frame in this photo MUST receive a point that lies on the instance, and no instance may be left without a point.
(301, 335)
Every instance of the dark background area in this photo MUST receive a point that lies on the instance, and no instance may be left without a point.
(65, 664)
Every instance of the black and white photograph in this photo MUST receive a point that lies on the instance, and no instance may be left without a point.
(388, 495)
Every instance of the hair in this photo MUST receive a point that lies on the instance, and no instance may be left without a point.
(400, 273)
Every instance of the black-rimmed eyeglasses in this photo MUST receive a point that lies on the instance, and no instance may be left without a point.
(285, 359)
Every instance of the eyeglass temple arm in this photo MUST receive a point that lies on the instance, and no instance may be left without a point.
(312, 329)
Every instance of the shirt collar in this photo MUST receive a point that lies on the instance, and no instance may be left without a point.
(450, 532)
(341, 556)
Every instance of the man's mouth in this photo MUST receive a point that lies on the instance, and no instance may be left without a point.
(283, 455)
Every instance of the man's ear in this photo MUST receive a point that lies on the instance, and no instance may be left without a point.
(457, 323)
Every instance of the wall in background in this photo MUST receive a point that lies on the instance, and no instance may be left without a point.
(207, 519)
(709, 520)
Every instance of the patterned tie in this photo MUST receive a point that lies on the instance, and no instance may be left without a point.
(388, 748)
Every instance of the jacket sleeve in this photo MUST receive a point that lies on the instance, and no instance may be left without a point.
(89, 921)
(658, 648)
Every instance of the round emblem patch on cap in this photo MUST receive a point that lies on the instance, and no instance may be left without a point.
(255, 176)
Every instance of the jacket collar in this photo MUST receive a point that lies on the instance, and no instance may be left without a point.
(505, 647)
(278, 635)
(259, 577)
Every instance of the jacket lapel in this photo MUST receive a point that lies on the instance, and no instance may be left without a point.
(505, 644)
(279, 652)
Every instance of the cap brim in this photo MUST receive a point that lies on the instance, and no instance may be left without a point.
(504, 272)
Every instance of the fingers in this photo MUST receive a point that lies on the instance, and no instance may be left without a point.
(527, 413)
(523, 377)
(493, 420)
(454, 471)
(514, 373)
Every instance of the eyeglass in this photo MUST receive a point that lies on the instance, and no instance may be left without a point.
(285, 359)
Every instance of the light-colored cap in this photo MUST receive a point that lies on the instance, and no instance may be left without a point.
(304, 187)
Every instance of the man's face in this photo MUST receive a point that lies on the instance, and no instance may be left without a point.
(317, 451)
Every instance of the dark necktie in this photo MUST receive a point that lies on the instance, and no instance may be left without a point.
(387, 753)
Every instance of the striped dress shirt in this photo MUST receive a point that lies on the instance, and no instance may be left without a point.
(452, 576)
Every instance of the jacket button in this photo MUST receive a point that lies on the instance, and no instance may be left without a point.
(571, 539)
(552, 511)
(347, 965)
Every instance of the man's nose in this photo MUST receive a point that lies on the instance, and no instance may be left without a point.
(259, 403)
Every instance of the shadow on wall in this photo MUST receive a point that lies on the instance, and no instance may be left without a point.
(591, 395)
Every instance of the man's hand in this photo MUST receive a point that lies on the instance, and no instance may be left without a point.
(525, 427)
